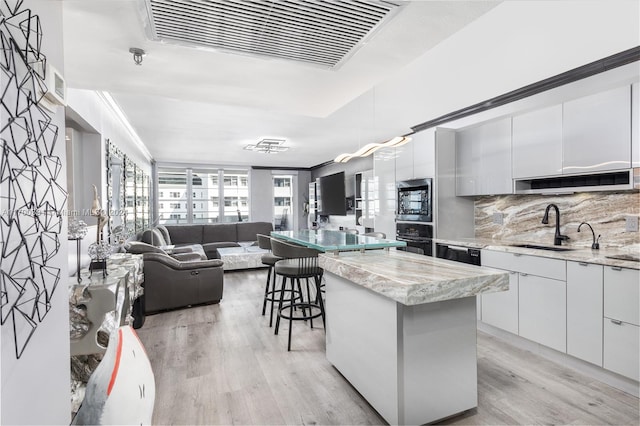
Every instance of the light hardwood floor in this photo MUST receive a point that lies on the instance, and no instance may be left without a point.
(221, 364)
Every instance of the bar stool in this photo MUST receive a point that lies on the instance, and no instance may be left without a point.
(298, 262)
(269, 259)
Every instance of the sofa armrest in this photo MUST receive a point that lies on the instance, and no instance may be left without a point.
(186, 256)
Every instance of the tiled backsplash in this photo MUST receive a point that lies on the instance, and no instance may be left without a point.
(522, 218)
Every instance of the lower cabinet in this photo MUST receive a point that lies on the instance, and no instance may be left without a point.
(543, 311)
(589, 311)
(621, 342)
(501, 309)
(584, 311)
(622, 321)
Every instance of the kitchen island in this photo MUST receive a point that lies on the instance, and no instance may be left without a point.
(401, 328)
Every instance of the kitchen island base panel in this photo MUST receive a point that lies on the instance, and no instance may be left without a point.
(413, 364)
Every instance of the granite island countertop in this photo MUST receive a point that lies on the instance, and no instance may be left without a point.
(576, 254)
(413, 279)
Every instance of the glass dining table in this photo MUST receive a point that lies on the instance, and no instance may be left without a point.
(331, 241)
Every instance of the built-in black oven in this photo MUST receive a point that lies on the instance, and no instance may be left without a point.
(418, 236)
(414, 200)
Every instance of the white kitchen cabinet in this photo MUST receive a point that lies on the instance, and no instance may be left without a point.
(468, 157)
(622, 321)
(543, 311)
(537, 143)
(483, 159)
(597, 132)
(635, 125)
(404, 162)
(416, 159)
(501, 309)
(621, 343)
(364, 199)
(621, 294)
(384, 190)
(550, 268)
(584, 311)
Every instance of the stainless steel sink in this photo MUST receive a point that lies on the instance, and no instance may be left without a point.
(629, 257)
(550, 248)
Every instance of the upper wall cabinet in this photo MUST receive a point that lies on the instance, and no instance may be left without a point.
(483, 159)
(597, 132)
(635, 125)
(537, 143)
(416, 159)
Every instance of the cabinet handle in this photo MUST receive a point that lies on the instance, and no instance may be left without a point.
(616, 268)
(517, 254)
(512, 272)
(195, 272)
(583, 264)
(523, 274)
(616, 322)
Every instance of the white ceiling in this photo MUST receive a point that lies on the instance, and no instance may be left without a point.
(196, 105)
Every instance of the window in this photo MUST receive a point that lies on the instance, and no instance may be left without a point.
(236, 195)
(282, 202)
(203, 206)
(205, 200)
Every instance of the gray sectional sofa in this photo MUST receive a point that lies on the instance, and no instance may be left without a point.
(190, 273)
(213, 236)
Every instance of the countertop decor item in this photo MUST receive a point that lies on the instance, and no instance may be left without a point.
(99, 253)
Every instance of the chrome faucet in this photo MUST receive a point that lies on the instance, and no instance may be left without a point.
(595, 245)
(558, 238)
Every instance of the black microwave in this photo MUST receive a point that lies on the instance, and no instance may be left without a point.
(414, 200)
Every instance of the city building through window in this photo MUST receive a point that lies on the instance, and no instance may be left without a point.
(200, 190)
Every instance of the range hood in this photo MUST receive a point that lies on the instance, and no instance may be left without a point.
(619, 180)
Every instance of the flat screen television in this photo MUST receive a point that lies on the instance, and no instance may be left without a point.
(330, 192)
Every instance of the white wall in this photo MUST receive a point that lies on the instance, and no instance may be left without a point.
(88, 105)
(90, 110)
(35, 389)
(261, 196)
(515, 44)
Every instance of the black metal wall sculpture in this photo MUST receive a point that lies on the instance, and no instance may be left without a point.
(31, 199)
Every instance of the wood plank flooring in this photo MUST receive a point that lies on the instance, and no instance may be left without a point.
(222, 364)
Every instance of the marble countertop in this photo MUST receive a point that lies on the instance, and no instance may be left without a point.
(413, 279)
(577, 254)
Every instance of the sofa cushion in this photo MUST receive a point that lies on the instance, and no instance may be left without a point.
(153, 237)
(247, 231)
(185, 234)
(220, 232)
(165, 234)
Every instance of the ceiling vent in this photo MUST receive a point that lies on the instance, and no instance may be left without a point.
(323, 33)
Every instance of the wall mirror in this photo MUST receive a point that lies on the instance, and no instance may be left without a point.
(115, 186)
(128, 189)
